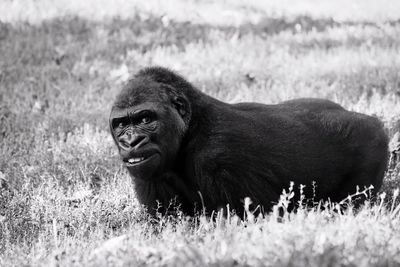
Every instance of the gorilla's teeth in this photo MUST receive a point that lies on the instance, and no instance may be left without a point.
(134, 160)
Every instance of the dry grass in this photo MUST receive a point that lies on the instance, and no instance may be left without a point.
(63, 191)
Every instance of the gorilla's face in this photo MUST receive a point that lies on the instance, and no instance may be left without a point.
(147, 125)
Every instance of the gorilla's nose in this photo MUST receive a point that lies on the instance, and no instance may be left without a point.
(134, 141)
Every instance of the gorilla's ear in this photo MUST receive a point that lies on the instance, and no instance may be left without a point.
(182, 105)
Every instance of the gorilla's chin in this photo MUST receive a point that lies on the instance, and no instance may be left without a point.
(145, 169)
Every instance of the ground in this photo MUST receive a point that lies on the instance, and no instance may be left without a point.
(66, 199)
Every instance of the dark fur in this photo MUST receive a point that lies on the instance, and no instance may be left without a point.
(231, 151)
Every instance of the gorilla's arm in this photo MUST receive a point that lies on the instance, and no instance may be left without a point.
(157, 196)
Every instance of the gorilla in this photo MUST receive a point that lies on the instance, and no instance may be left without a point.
(182, 146)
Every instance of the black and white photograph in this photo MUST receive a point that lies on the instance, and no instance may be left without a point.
(200, 133)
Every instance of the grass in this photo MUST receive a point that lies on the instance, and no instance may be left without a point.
(65, 198)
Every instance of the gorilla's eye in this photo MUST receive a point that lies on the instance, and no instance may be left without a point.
(146, 119)
(119, 124)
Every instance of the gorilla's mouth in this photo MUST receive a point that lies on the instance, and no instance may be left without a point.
(135, 160)
(138, 160)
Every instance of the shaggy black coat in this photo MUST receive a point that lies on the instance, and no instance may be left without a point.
(231, 151)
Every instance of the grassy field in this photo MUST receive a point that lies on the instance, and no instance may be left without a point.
(65, 198)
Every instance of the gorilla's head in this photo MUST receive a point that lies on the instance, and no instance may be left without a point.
(148, 121)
